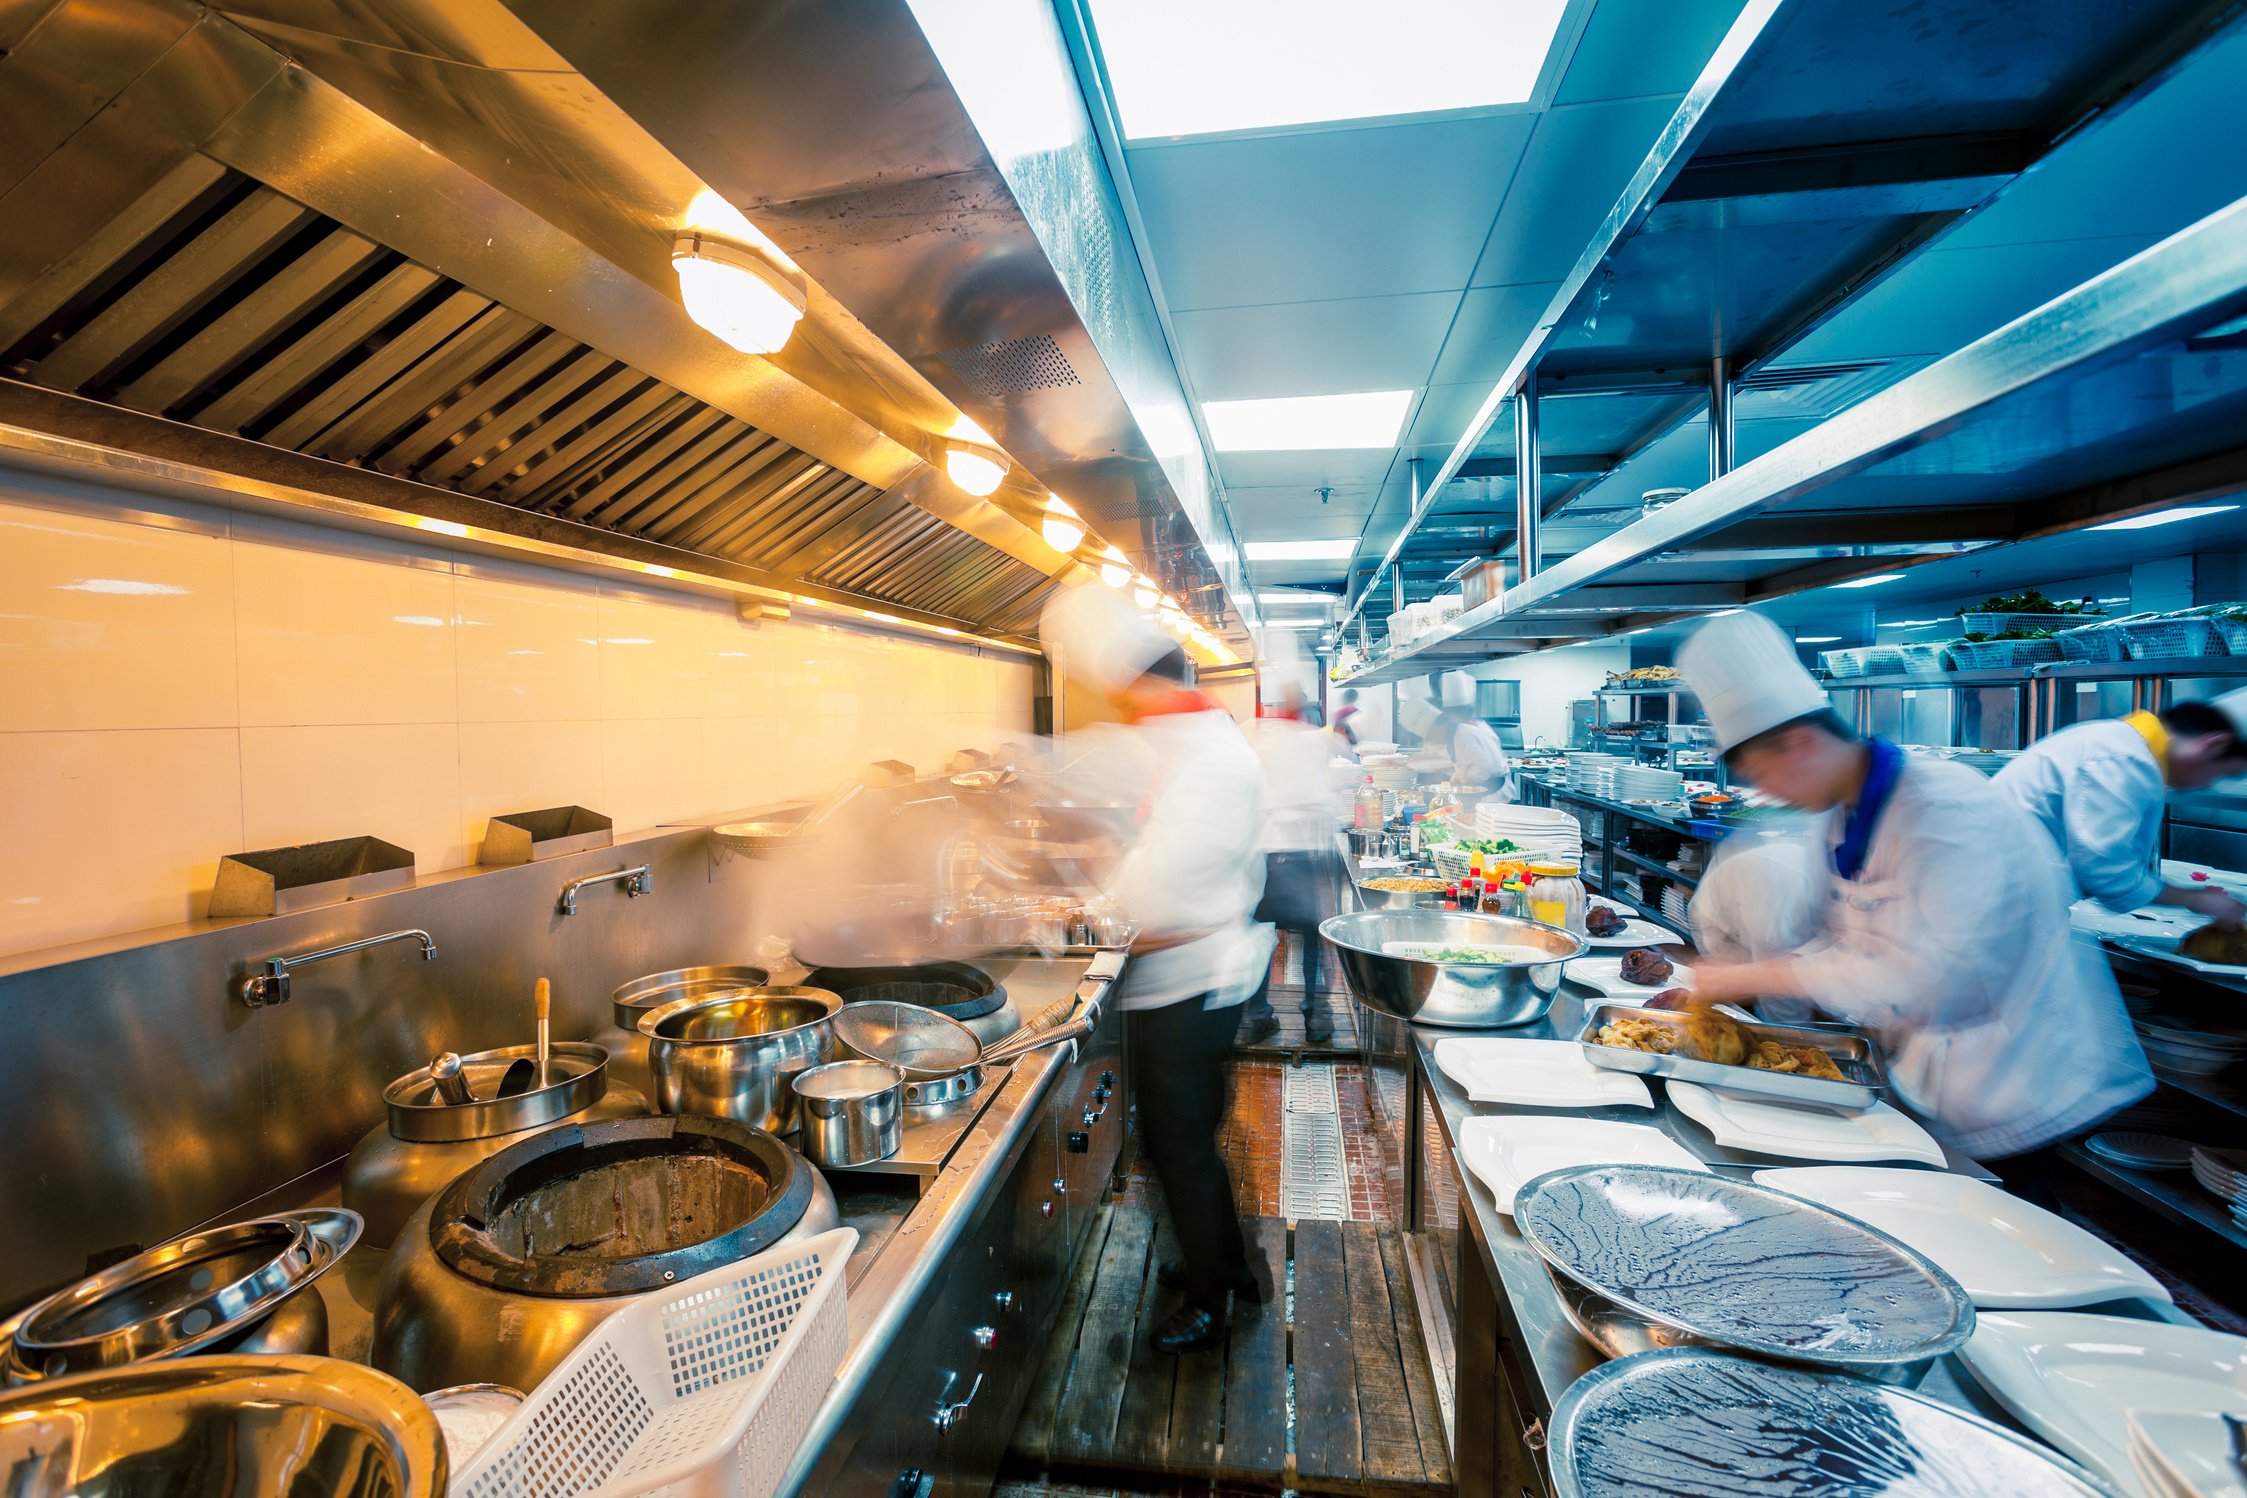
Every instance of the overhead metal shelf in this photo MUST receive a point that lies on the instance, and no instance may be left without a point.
(2126, 394)
(1825, 144)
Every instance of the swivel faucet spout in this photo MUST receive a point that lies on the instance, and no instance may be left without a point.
(636, 882)
(272, 985)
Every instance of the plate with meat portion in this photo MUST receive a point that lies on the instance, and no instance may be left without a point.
(1639, 973)
(1622, 929)
(1837, 1066)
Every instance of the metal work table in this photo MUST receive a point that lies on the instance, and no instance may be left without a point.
(1516, 1352)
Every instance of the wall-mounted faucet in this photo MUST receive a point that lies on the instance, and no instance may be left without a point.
(636, 882)
(272, 985)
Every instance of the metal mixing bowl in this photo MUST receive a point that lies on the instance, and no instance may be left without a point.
(733, 1055)
(1460, 995)
(215, 1427)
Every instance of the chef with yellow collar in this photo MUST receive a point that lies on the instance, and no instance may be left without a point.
(2099, 790)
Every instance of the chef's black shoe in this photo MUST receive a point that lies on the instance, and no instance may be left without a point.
(1318, 1027)
(1257, 1029)
(1187, 1329)
(1171, 1275)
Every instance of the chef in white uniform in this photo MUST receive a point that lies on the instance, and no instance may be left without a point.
(2099, 790)
(1191, 880)
(1942, 914)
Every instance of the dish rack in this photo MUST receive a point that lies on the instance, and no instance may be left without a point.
(702, 1393)
(2170, 638)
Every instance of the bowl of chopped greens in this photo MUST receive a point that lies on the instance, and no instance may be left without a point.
(1451, 968)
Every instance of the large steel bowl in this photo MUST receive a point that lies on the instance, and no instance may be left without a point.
(735, 1055)
(1468, 996)
(217, 1427)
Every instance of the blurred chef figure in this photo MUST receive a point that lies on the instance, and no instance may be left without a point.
(1303, 810)
(1477, 758)
(1345, 714)
(1191, 880)
(1759, 899)
(2099, 790)
(1941, 918)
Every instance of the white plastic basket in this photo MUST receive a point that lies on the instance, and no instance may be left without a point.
(705, 1392)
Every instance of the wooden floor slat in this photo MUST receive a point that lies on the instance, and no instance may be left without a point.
(1255, 1399)
(1364, 1414)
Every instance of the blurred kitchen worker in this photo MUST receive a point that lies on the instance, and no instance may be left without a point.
(1942, 918)
(1190, 881)
(1303, 810)
(1759, 898)
(1347, 711)
(1477, 758)
(2099, 789)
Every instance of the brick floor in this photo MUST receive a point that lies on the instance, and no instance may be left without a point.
(1253, 1139)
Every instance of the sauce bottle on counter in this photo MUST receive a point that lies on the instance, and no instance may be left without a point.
(1556, 896)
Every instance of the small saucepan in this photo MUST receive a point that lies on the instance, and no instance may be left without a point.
(852, 1112)
(942, 1061)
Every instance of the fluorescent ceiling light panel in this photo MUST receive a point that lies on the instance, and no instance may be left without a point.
(1194, 67)
(2164, 517)
(1873, 581)
(1817, 639)
(1307, 423)
(1332, 550)
(1293, 624)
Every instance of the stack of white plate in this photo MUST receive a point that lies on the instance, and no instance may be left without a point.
(1541, 832)
(2224, 1174)
(2183, 1454)
(1647, 783)
(1593, 774)
(2193, 1052)
(1393, 777)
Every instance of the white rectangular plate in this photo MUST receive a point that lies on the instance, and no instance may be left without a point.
(1537, 1074)
(1635, 933)
(2074, 1379)
(1506, 1154)
(1798, 1131)
(2177, 871)
(2153, 946)
(2008, 1253)
(2165, 924)
(2186, 1454)
(1606, 975)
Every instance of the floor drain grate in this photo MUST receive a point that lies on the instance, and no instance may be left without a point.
(1310, 1089)
(1314, 1177)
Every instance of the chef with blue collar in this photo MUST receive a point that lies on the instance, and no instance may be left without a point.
(1940, 914)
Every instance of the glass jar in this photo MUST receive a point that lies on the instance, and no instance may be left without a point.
(1556, 896)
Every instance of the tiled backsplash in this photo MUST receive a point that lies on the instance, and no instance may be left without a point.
(179, 683)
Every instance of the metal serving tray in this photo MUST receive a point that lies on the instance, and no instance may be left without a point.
(1853, 1050)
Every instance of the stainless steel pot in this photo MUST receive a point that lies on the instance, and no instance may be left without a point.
(733, 1055)
(853, 1112)
(1461, 995)
(218, 1427)
(507, 1269)
(246, 1286)
(621, 1038)
(425, 1142)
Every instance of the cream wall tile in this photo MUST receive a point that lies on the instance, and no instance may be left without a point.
(508, 767)
(655, 658)
(747, 761)
(343, 636)
(109, 624)
(655, 770)
(527, 652)
(113, 832)
(737, 683)
(396, 781)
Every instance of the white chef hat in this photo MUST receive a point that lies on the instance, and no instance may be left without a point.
(2233, 705)
(1748, 678)
(1096, 637)
(1458, 689)
(1416, 715)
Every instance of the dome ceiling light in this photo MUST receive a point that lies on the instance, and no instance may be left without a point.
(739, 292)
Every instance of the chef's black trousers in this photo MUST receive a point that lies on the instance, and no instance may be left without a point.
(1178, 1056)
(1295, 886)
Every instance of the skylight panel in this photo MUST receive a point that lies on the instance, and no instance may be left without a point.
(1196, 67)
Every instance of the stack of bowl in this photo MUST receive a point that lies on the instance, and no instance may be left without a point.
(2224, 1174)
(2189, 1050)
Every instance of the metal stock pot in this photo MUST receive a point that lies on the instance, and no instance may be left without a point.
(733, 1054)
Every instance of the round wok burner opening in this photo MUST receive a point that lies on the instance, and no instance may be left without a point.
(956, 990)
(627, 1208)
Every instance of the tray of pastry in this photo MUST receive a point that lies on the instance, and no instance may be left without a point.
(1835, 1065)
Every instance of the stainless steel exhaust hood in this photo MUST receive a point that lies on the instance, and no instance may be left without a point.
(411, 240)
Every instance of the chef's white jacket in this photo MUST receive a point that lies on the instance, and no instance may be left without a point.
(1304, 804)
(1953, 944)
(1195, 867)
(2098, 792)
(1477, 758)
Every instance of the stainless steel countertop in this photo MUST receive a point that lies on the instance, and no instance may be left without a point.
(1543, 1353)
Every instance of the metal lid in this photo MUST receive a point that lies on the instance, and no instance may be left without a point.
(1554, 870)
(1694, 1421)
(922, 1042)
(177, 1297)
(579, 1072)
(1741, 1265)
(955, 990)
(631, 1000)
(587, 1211)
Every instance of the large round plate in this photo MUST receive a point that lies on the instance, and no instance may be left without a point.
(1741, 1265)
(1692, 1423)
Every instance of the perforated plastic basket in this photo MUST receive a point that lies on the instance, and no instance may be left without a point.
(705, 1392)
